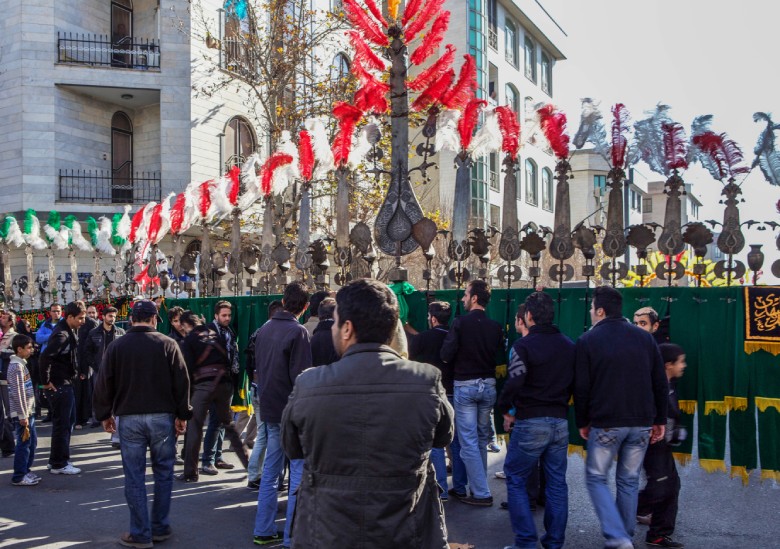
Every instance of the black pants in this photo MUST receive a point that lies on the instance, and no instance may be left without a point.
(7, 441)
(203, 394)
(82, 390)
(63, 418)
(662, 490)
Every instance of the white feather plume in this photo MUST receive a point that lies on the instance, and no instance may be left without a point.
(360, 147)
(447, 136)
(33, 238)
(286, 146)
(321, 146)
(165, 218)
(220, 203)
(123, 227)
(190, 207)
(249, 177)
(56, 237)
(14, 235)
(104, 237)
(78, 239)
(488, 138)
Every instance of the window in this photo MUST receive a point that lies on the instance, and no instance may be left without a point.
(494, 172)
(240, 142)
(694, 209)
(530, 59)
(636, 201)
(339, 76)
(492, 26)
(238, 54)
(336, 6)
(510, 42)
(121, 32)
(479, 203)
(513, 99)
(546, 74)
(547, 190)
(495, 216)
(647, 205)
(599, 185)
(531, 184)
(121, 158)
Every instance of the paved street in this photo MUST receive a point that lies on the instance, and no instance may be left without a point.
(715, 511)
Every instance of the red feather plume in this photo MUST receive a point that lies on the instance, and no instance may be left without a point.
(275, 161)
(410, 11)
(675, 146)
(155, 223)
(510, 131)
(235, 184)
(553, 124)
(371, 5)
(620, 123)
(435, 70)
(138, 218)
(434, 92)
(468, 121)
(372, 97)
(348, 117)
(205, 199)
(364, 24)
(305, 155)
(432, 40)
(724, 153)
(464, 89)
(363, 52)
(177, 213)
(431, 8)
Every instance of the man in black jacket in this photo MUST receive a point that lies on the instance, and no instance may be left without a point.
(541, 374)
(282, 351)
(59, 367)
(426, 347)
(144, 382)
(471, 347)
(95, 344)
(322, 350)
(620, 399)
(82, 385)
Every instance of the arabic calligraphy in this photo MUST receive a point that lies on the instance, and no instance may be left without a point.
(766, 313)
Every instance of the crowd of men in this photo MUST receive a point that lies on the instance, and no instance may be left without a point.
(410, 406)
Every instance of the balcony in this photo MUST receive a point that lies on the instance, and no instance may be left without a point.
(238, 57)
(100, 50)
(104, 187)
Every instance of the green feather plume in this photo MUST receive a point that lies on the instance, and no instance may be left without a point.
(116, 240)
(92, 229)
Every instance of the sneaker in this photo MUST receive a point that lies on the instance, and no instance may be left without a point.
(645, 519)
(78, 427)
(265, 540)
(67, 470)
(186, 478)
(662, 541)
(179, 460)
(457, 495)
(116, 445)
(479, 502)
(253, 485)
(504, 505)
(128, 540)
(163, 536)
(501, 475)
(493, 447)
(26, 481)
(224, 465)
(33, 476)
(209, 470)
(48, 465)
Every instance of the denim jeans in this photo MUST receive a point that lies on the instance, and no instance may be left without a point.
(267, 497)
(261, 441)
(629, 444)
(63, 417)
(545, 438)
(24, 455)
(156, 432)
(474, 399)
(214, 439)
(439, 460)
(459, 477)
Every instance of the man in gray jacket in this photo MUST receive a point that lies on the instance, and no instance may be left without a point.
(382, 492)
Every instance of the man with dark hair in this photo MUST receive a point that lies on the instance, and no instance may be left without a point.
(210, 369)
(382, 493)
(471, 347)
(426, 347)
(538, 389)
(314, 310)
(97, 341)
(620, 399)
(59, 367)
(282, 351)
(174, 318)
(214, 438)
(144, 382)
(322, 350)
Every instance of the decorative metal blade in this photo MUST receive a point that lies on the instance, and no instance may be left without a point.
(360, 237)
(302, 258)
(614, 243)
(671, 242)
(731, 240)
(424, 232)
(561, 245)
(509, 245)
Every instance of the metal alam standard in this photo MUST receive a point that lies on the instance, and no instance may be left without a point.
(387, 43)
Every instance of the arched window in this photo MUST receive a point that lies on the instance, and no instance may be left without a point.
(510, 42)
(339, 75)
(240, 142)
(546, 74)
(513, 98)
(547, 190)
(237, 44)
(530, 59)
(531, 184)
(121, 158)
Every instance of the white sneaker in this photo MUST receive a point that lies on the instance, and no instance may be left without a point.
(33, 477)
(67, 470)
(48, 465)
(26, 481)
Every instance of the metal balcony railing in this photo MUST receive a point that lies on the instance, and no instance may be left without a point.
(102, 186)
(102, 50)
(239, 58)
(493, 37)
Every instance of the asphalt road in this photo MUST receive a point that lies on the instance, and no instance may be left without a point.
(89, 509)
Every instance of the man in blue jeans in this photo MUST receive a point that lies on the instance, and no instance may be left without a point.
(282, 351)
(471, 348)
(620, 399)
(541, 375)
(144, 381)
